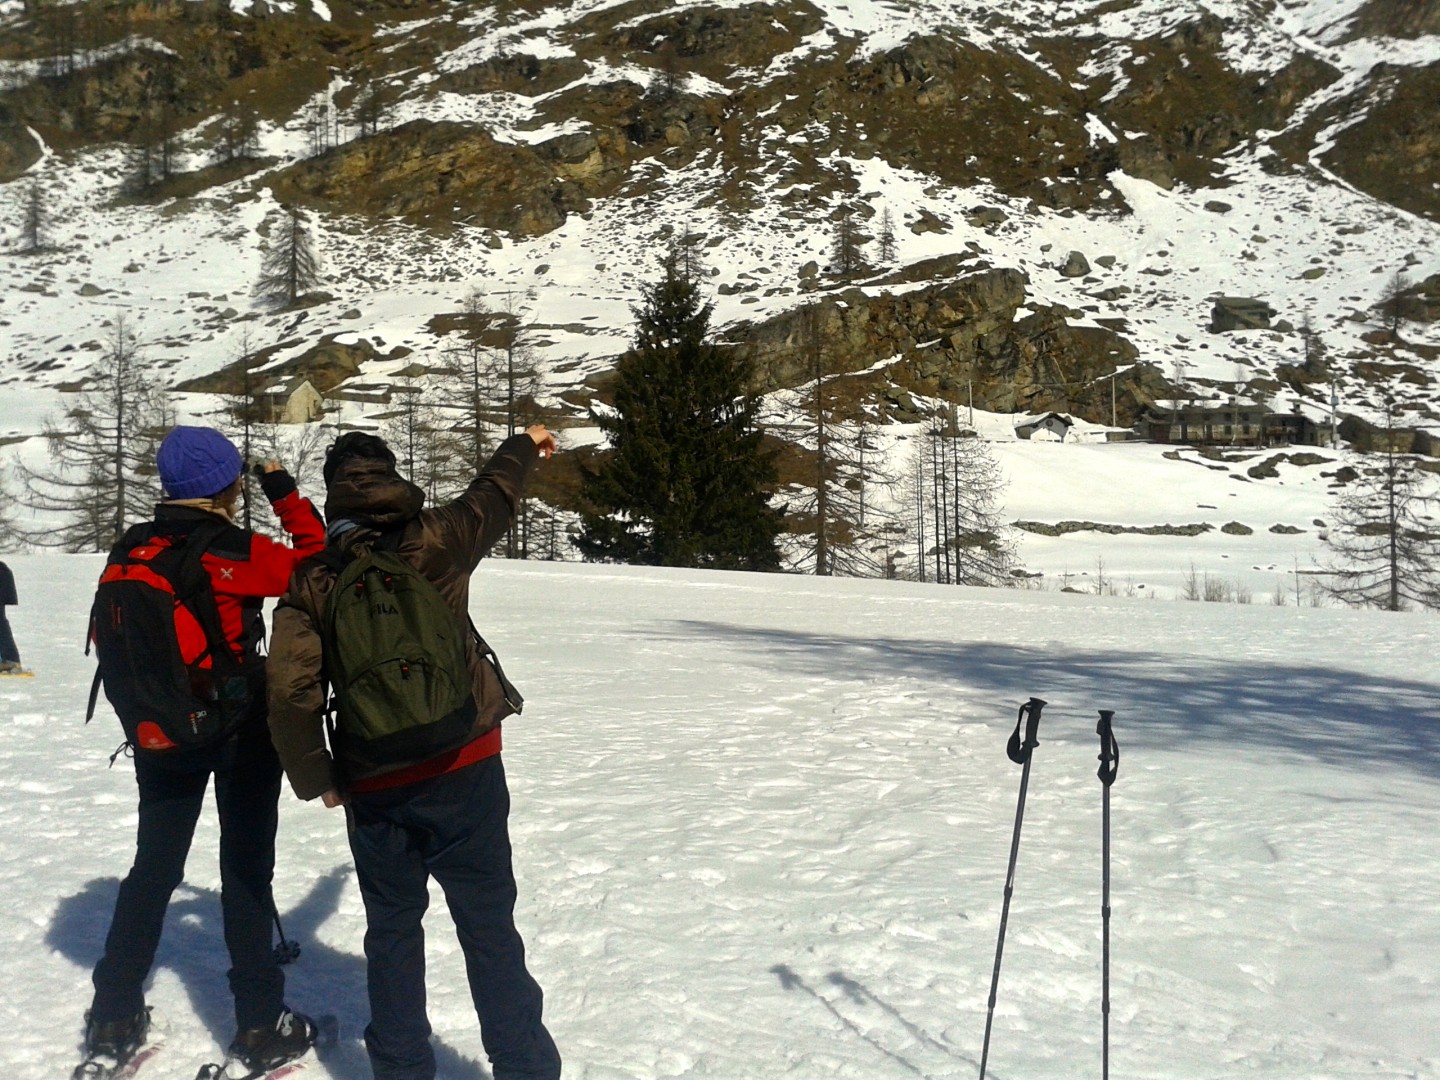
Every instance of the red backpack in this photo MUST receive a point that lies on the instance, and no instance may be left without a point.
(163, 658)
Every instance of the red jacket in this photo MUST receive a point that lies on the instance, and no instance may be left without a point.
(246, 567)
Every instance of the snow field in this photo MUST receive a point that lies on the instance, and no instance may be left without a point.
(762, 824)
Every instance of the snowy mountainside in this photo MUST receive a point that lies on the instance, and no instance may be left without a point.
(1185, 150)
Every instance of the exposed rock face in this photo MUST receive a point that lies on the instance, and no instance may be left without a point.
(183, 63)
(1394, 153)
(1180, 91)
(18, 148)
(959, 340)
(442, 172)
(1399, 18)
(962, 112)
(326, 366)
(517, 74)
(708, 40)
(1426, 297)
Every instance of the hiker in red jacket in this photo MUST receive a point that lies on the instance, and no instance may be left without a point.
(201, 473)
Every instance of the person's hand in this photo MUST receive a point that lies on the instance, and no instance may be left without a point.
(544, 440)
(332, 799)
(269, 465)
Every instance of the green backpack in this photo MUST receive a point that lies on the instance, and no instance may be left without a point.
(395, 660)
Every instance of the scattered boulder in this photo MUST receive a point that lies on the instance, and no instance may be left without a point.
(1076, 265)
(926, 222)
(1240, 313)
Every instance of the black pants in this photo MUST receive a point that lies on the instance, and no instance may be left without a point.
(8, 651)
(247, 792)
(453, 827)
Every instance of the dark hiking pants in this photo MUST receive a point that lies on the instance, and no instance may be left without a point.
(8, 651)
(452, 827)
(247, 792)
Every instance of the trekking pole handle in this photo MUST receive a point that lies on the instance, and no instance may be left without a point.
(1019, 749)
(1109, 749)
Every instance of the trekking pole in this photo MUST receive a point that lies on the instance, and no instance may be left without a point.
(1018, 750)
(287, 951)
(1109, 766)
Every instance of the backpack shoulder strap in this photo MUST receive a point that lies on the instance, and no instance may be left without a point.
(194, 587)
(512, 695)
(333, 559)
(390, 539)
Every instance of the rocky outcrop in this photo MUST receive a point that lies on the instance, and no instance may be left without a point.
(960, 341)
(1426, 297)
(18, 148)
(962, 112)
(710, 39)
(326, 366)
(514, 74)
(1392, 153)
(436, 173)
(167, 65)
(1180, 91)
(1240, 313)
(1398, 18)
(1193, 107)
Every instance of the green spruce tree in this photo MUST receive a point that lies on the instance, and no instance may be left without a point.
(685, 481)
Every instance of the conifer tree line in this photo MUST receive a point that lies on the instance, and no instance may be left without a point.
(686, 477)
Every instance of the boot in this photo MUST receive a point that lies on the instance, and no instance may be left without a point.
(264, 1048)
(110, 1045)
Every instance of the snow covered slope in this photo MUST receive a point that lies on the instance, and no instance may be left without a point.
(762, 827)
(1271, 218)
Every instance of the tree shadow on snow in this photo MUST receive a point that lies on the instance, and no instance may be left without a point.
(322, 980)
(1342, 718)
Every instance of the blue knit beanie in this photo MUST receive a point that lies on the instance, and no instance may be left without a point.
(196, 462)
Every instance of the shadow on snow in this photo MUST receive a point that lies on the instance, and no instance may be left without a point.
(323, 979)
(1341, 718)
(857, 998)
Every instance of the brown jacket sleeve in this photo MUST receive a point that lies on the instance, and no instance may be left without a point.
(297, 692)
(468, 526)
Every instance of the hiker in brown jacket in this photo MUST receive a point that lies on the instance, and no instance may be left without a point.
(445, 816)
